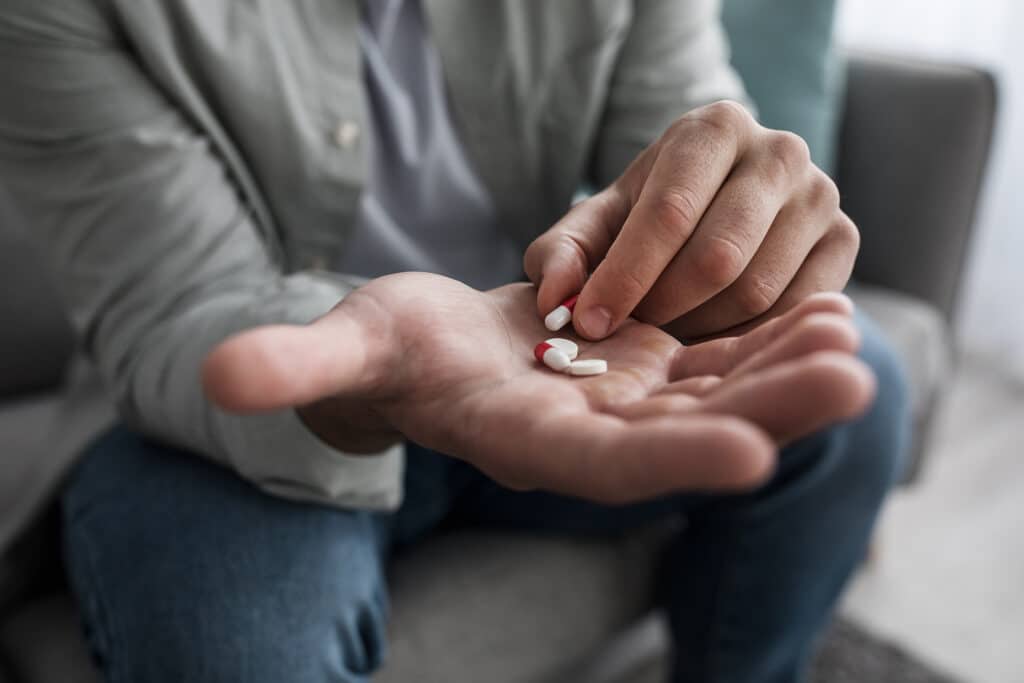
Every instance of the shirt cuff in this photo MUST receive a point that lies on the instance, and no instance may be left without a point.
(282, 456)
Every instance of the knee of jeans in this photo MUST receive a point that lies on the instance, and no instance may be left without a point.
(318, 634)
(305, 610)
(872, 448)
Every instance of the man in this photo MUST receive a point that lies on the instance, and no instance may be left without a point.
(211, 181)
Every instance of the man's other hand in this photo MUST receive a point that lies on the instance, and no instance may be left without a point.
(719, 223)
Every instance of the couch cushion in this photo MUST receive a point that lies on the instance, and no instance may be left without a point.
(512, 607)
(784, 51)
(919, 334)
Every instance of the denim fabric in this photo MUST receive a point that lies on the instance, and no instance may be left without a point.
(187, 573)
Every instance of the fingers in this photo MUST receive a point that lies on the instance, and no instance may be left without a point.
(730, 241)
(722, 356)
(788, 400)
(603, 458)
(798, 227)
(798, 397)
(694, 158)
(559, 261)
(827, 268)
(281, 366)
(810, 334)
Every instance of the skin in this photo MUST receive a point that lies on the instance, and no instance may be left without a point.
(424, 357)
(717, 226)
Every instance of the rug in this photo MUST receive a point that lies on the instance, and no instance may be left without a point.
(851, 655)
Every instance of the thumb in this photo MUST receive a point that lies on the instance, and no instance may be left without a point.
(559, 261)
(283, 366)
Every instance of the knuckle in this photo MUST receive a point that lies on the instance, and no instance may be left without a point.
(724, 118)
(756, 296)
(676, 210)
(790, 149)
(729, 113)
(823, 191)
(846, 231)
(719, 262)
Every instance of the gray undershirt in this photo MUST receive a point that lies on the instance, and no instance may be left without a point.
(423, 208)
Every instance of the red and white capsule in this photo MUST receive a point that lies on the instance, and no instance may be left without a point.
(570, 347)
(552, 356)
(561, 316)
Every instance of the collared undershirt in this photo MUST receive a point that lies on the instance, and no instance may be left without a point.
(423, 207)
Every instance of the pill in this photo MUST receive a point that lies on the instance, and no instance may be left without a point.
(592, 366)
(560, 317)
(567, 346)
(551, 356)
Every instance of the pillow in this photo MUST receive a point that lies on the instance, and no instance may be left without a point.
(785, 53)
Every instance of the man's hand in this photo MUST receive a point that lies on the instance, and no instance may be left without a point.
(719, 223)
(452, 368)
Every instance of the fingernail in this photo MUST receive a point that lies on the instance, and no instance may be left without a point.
(596, 322)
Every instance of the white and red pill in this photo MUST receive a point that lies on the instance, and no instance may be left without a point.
(561, 316)
(552, 356)
(560, 356)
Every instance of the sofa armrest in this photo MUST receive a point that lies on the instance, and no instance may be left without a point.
(913, 147)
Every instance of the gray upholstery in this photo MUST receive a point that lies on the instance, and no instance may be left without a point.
(521, 632)
(913, 150)
(921, 337)
(503, 608)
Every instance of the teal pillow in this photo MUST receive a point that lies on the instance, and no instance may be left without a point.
(785, 53)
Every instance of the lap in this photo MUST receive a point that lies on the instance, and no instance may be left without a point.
(186, 572)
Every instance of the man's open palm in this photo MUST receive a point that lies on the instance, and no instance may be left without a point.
(427, 358)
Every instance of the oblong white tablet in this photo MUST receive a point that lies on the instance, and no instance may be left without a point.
(566, 346)
(591, 366)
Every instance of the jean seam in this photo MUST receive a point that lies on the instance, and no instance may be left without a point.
(103, 624)
(716, 618)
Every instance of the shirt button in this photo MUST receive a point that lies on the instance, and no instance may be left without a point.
(346, 134)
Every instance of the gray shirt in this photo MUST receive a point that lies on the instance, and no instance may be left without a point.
(424, 208)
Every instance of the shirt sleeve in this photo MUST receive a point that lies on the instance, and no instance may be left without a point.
(156, 254)
(675, 58)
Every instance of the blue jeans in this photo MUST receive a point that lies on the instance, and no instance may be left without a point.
(184, 572)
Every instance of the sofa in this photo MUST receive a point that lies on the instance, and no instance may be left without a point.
(472, 605)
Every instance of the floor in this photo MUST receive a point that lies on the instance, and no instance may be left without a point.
(947, 577)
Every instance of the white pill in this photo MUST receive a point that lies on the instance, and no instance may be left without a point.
(567, 346)
(553, 357)
(561, 316)
(558, 318)
(591, 366)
